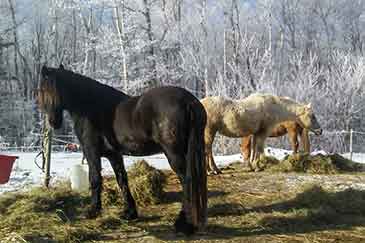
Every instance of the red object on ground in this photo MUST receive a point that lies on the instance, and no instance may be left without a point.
(6, 164)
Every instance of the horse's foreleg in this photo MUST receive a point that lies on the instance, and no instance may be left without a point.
(304, 138)
(253, 152)
(95, 180)
(246, 148)
(90, 143)
(293, 137)
(130, 209)
(260, 146)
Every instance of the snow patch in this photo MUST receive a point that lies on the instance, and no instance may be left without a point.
(26, 173)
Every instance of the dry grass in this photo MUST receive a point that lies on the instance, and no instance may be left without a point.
(314, 164)
(146, 184)
(243, 207)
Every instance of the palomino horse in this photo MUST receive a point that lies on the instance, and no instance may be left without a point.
(257, 114)
(292, 128)
(110, 123)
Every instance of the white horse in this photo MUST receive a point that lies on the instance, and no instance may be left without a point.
(257, 114)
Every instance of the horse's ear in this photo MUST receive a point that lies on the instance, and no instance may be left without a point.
(44, 71)
(61, 67)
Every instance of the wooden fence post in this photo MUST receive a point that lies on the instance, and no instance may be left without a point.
(47, 143)
(351, 142)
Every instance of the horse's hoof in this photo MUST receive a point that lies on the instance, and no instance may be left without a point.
(214, 172)
(217, 172)
(182, 226)
(93, 212)
(129, 214)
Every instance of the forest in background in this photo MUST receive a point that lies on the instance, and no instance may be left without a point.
(310, 50)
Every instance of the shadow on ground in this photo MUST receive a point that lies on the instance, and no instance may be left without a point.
(313, 210)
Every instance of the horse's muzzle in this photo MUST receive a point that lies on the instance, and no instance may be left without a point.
(318, 131)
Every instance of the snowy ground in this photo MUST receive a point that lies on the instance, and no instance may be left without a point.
(25, 172)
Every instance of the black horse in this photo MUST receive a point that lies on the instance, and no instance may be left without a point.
(110, 123)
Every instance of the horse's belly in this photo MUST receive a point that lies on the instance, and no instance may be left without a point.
(239, 126)
(233, 132)
(138, 148)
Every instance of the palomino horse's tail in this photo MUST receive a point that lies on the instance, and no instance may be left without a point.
(196, 171)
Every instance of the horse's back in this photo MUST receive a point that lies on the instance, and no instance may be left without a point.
(235, 118)
(160, 115)
(215, 106)
(167, 101)
(171, 94)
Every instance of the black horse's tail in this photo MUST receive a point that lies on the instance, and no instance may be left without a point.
(196, 168)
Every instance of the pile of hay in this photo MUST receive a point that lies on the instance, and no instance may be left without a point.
(145, 182)
(315, 164)
(266, 162)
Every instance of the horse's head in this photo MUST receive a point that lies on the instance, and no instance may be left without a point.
(308, 120)
(48, 97)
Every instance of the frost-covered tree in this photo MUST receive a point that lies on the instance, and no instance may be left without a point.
(307, 49)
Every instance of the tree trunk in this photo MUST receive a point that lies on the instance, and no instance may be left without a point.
(205, 46)
(120, 28)
(151, 52)
(74, 37)
(47, 148)
(15, 38)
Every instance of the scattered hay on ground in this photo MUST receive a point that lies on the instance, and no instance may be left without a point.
(243, 207)
(346, 165)
(58, 214)
(41, 214)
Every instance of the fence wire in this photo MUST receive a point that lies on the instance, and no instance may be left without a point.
(329, 141)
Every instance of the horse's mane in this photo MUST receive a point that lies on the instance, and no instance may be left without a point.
(282, 99)
(288, 101)
(85, 95)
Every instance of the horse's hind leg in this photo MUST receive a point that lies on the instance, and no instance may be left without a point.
(116, 161)
(183, 222)
(209, 138)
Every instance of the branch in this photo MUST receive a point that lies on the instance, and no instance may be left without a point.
(133, 10)
(4, 45)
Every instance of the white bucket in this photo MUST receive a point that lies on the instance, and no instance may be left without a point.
(79, 178)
